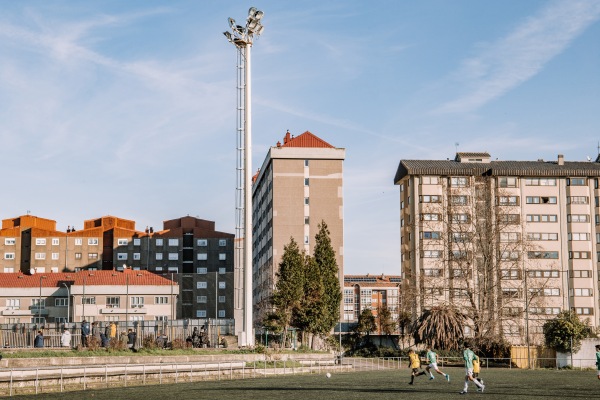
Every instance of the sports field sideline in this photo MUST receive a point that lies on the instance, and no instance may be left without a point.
(502, 384)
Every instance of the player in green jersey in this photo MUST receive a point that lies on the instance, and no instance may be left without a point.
(432, 360)
(469, 356)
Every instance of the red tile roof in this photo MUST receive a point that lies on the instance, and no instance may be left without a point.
(91, 278)
(306, 139)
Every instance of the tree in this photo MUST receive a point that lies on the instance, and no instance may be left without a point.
(565, 332)
(404, 323)
(364, 325)
(311, 310)
(324, 257)
(440, 327)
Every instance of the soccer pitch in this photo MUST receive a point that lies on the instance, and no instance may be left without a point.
(502, 384)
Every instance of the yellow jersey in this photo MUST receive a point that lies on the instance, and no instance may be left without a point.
(415, 362)
(476, 367)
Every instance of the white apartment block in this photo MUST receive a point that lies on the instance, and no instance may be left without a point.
(541, 224)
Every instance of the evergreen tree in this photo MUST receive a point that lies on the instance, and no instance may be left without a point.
(328, 270)
(308, 316)
(565, 332)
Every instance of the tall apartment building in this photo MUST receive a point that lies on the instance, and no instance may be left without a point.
(188, 250)
(371, 292)
(519, 239)
(299, 185)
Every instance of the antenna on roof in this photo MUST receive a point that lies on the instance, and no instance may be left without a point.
(456, 144)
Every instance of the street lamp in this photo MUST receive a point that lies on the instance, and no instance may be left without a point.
(68, 301)
(242, 38)
(40, 301)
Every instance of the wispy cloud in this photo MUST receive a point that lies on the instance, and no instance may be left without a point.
(514, 59)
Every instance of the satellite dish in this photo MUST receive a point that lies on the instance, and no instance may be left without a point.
(124, 266)
(589, 158)
(31, 271)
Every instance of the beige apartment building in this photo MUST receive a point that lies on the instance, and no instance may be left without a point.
(515, 242)
(299, 185)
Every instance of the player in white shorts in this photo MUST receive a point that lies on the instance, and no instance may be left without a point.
(432, 359)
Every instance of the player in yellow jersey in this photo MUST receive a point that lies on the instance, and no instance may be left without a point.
(414, 365)
(476, 371)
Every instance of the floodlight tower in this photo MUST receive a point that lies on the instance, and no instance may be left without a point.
(242, 38)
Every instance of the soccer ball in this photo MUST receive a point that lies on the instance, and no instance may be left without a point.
(328, 375)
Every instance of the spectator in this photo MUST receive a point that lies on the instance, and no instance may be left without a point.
(103, 340)
(39, 340)
(131, 339)
(65, 338)
(85, 332)
(96, 331)
(113, 330)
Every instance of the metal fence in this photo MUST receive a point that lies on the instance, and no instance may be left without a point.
(23, 335)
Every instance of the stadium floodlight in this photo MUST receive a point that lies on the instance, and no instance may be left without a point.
(242, 38)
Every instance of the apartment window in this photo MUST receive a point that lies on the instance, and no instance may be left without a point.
(173, 256)
(507, 200)
(161, 300)
(222, 242)
(159, 256)
(13, 304)
(401, 187)
(511, 274)
(433, 291)
(40, 256)
(93, 242)
(577, 199)
(93, 256)
(459, 218)
(579, 236)
(459, 181)
(459, 200)
(540, 182)
(162, 318)
(306, 201)
(584, 311)
(542, 218)
(541, 199)
(9, 269)
(511, 293)
(580, 292)
(432, 272)
(306, 220)
(78, 242)
(10, 241)
(576, 255)
(431, 254)
(88, 300)
(222, 270)
(543, 273)
(202, 271)
(159, 242)
(544, 310)
(507, 182)
(459, 293)
(509, 218)
(113, 302)
(173, 242)
(221, 285)
(137, 242)
(137, 301)
(221, 313)
(121, 256)
(459, 254)
(509, 255)
(200, 313)
(576, 182)
(544, 292)
(430, 217)
(542, 254)
(222, 256)
(9, 256)
(578, 218)
(55, 241)
(460, 273)
(201, 299)
(136, 256)
(40, 242)
(430, 199)
(221, 299)
(509, 237)
(430, 235)
(55, 256)
(542, 236)
(122, 242)
(430, 180)
(306, 240)
(78, 256)
(578, 273)
(460, 237)
(202, 242)
(306, 181)
(201, 285)
(202, 256)
(512, 311)
(306, 163)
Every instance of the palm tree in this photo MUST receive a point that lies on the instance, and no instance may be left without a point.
(440, 327)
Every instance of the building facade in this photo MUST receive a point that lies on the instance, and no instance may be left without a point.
(188, 250)
(299, 185)
(511, 242)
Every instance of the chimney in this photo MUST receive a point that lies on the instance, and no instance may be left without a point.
(278, 144)
(561, 159)
(286, 138)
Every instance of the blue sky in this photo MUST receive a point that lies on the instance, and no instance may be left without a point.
(127, 108)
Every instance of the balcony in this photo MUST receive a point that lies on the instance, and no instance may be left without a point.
(133, 310)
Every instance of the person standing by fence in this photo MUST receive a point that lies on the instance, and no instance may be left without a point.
(65, 338)
(85, 333)
(39, 340)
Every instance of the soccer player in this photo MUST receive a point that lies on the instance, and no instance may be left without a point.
(469, 356)
(415, 364)
(598, 359)
(432, 359)
(476, 371)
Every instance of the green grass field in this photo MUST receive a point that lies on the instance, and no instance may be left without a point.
(502, 384)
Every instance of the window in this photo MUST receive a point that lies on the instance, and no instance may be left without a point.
(78, 256)
(460, 237)
(430, 217)
(78, 242)
(459, 293)
(40, 242)
(584, 311)
(38, 320)
(93, 242)
(511, 293)
(581, 273)
(201, 285)
(222, 271)
(121, 256)
(510, 236)
(540, 182)
(431, 254)
(200, 313)
(509, 218)
(162, 318)
(173, 242)
(506, 182)
(306, 163)
(222, 242)
(511, 274)
(544, 273)
(430, 199)
(40, 256)
(201, 299)
(9, 269)
(306, 181)
(432, 272)
(542, 236)
(221, 313)
(202, 242)
(541, 200)
(137, 301)
(459, 254)
(136, 256)
(159, 242)
(159, 256)
(93, 256)
(88, 300)
(578, 218)
(430, 235)
(460, 273)
(202, 256)
(542, 254)
(576, 255)
(306, 240)
(137, 242)
(55, 241)
(113, 302)
(511, 311)
(577, 199)
(433, 291)
(576, 182)
(580, 292)
(509, 255)
(13, 304)
(306, 220)
(222, 256)
(544, 292)
(161, 300)
(221, 285)
(122, 242)
(507, 200)
(544, 310)
(221, 299)
(202, 271)
(459, 218)
(542, 218)
(459, 181)
(173, 256)
(9, 256)
(55, 256)
(10, 241)
(306, 201)
(429, 180)
(579, 236)
(459, 200)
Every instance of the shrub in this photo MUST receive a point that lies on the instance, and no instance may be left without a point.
(149, 342)
(179, 344)
(116, 345)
